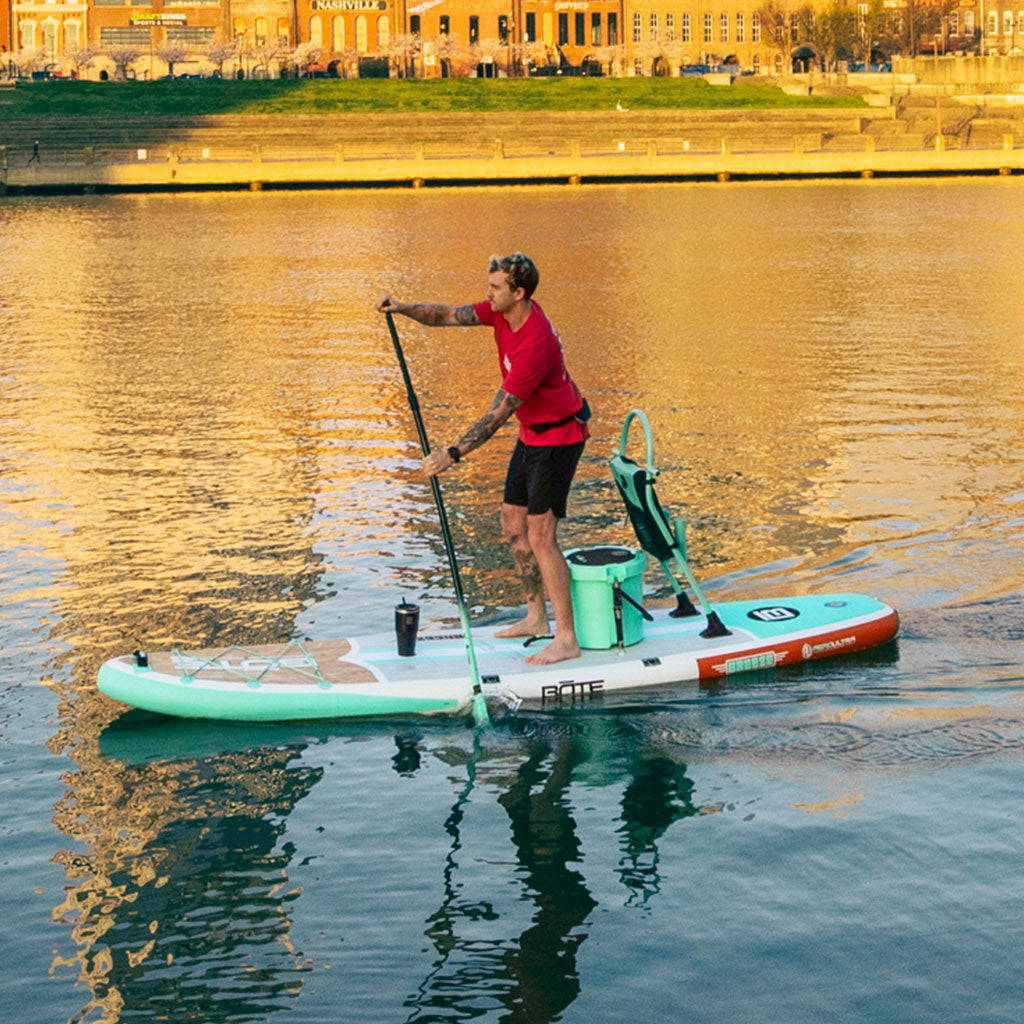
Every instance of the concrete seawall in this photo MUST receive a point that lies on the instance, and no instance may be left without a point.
(474, 149)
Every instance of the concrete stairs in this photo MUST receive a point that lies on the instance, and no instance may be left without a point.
(921, 119)
(391, 135)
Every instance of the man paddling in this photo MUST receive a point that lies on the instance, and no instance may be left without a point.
(552, 431)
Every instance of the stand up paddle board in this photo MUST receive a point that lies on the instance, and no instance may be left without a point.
(624, 646)
(367, 677)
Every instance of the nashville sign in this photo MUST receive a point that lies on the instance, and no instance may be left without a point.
(350, 5)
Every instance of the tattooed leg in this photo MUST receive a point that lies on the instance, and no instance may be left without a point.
(514, 529)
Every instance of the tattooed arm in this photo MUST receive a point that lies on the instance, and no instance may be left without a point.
(483, 430)
(430, 313)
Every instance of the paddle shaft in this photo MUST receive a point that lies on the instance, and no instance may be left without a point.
(446, 533)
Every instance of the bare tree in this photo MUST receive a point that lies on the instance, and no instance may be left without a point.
(218, 54)
(448, 48)
(400, 50)
(82, 60)
(346, 59)
(487, 51)
(123, 57)
(919, 20)
(538, 52)
(304, 56)
(262, 55)
(775, 28)
(171, 54)
(28, 60)
(610, 57)
(673, 49)
(649, 51)
(827, 30)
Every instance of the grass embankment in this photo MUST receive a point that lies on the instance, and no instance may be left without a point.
(379, 96)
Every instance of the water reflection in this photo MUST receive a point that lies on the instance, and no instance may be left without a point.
(182, 885)
(659, 794)
(534, 975)
(180, 902)
(204, 440)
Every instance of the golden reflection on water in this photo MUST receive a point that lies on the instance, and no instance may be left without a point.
(184, 886)
(205, 440)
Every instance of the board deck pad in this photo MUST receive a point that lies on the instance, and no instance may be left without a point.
(281, 664)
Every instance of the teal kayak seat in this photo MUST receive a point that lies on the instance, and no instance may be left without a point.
(663, 539)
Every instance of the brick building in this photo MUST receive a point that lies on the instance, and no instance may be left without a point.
(433, 38)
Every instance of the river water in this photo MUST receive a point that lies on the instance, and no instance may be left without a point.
(204, 440)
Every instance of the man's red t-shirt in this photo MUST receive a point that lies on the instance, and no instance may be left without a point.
(533, 370)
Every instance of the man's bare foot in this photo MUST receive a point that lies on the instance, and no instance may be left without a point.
(557, 650)
(525, 627)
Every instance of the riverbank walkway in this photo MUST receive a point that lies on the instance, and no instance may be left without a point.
(911, 136)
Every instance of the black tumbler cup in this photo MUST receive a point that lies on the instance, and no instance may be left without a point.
(407, 623)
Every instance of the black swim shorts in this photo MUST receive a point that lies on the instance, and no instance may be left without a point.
(539, 476)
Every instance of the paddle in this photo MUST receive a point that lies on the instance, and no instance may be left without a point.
(480, 715)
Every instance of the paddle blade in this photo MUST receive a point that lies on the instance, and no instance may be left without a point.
(480, 716)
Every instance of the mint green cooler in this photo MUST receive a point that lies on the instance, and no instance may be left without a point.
(607, 596)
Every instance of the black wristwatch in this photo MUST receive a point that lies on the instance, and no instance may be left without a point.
(453, 454)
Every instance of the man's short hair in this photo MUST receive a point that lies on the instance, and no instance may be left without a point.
(520, 270)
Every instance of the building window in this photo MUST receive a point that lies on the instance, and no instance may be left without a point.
(50, 38)
(131, 35)
(709, 29)
(362, 40)
(261, 31)
(337, 33)
(531, 28)
(72, 34)
(993, 23)
(503, 27)
(474, 29)
(755, 28)
(563, 29)
(638, 27)
(595, 30)
(741, 29)
(670, 26)
(282, 32)
(686, 33)
(654, 25)
(968, 23)
(446, 25)
(581, 28)
(316, 30)
(638, 67)
(189, 35)
(414, 24)
(613, 28)
(757, 63)
(1007, 23)
(723, 28)
(383, 30)
(1020, 23)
